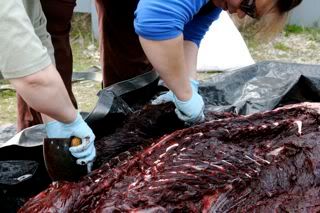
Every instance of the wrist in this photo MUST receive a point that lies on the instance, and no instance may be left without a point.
(194, 84)
(179, 102)
(184, 94)
(51, 123)
(73, 119)
(70, 117)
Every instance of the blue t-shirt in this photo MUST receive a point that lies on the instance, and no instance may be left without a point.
(167, 19)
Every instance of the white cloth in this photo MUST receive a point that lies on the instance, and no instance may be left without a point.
(223, 48)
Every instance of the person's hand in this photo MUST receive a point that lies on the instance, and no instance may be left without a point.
(168, 96)
(86, 152)
(164, 98)
(190, 111)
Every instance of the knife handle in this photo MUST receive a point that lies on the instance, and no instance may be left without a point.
(75, 141)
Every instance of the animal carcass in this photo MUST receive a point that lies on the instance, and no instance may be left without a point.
(265, 162)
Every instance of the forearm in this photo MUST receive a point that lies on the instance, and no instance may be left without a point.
(191, 58)
(45, 92)
(168, 59)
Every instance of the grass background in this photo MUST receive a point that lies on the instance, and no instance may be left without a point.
(86, 54)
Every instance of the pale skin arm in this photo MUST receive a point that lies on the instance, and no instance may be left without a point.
(191, 57)
(175, 61)
(45, 92)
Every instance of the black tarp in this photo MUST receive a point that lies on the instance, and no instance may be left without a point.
(260, 87)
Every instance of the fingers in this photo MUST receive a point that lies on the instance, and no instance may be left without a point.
(181, 116)
(87, 159)
(167, 97)
(84, 146)
(84, 153)
(198, 119)
(195, 84)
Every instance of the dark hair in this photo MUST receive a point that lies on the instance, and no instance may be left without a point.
(287, 5)
(270, 24)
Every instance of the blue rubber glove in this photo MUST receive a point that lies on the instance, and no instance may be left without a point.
(190, 111)
(168, 96)
(86, 152)
(164, 98)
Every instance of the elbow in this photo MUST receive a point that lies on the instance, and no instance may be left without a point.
(37, 79)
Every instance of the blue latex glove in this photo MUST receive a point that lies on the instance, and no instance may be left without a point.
(86, 152)
(190, 111)
(164, 98)
(168, 96)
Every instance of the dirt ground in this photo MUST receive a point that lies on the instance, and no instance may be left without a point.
(295, 44)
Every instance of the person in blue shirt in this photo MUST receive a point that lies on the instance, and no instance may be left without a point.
(170, 32)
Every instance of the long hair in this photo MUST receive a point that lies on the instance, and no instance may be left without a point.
(269, 25)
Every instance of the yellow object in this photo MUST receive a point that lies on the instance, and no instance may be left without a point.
(75, 141)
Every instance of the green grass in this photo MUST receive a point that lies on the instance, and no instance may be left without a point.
(5, 94)
(281, 46)
(313, 33)
(84, 45)
(312, 47)
(293, 29)
(7, 106)
(2, 82)
(251, 43)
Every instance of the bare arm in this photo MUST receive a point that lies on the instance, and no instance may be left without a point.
(45, 92)
(191, 57)
(168, 59)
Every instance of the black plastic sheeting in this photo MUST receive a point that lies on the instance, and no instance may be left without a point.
(16, 171)
(260, 87)
(27, 161)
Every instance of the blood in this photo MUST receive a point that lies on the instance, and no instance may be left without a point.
(264, 162)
